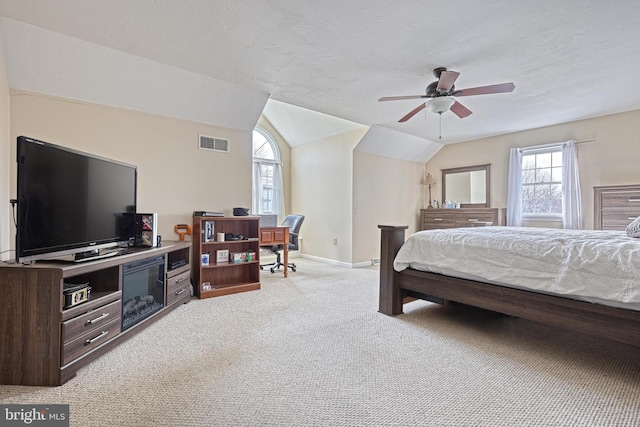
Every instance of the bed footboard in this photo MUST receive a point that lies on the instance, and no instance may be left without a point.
(391, 296)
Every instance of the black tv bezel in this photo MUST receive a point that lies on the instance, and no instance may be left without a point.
(63, 252)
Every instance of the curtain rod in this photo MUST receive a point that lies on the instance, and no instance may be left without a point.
(552, 144)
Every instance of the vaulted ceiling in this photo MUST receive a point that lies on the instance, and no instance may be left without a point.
(221, 62)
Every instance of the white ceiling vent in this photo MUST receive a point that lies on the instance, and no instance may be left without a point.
(214, 144)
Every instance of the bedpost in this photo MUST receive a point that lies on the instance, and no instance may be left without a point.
(391, 238)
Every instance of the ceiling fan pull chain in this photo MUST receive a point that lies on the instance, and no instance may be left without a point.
(440, 134)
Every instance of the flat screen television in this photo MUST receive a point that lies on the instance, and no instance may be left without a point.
(70, 202)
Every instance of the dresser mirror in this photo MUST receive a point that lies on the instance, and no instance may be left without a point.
(469, 186)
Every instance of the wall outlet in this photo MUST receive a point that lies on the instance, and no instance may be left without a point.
(375, 261)
(335, 241)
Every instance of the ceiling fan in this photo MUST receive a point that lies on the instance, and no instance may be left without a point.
(441, 95)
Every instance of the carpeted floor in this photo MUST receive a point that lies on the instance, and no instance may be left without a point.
(312, 350)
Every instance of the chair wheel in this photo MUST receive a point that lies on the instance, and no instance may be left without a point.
(293, 269)
(261, 268)
(272, 270)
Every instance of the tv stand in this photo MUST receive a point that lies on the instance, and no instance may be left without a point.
(45, 344)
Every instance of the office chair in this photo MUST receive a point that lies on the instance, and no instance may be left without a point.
(294, 222)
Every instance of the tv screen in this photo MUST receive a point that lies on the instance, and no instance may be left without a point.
(69, 201)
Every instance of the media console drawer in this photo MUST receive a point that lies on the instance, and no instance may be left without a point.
(87, 322)
(178, 287)
(90, 340)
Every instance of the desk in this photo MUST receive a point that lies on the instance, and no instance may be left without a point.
(277, 236)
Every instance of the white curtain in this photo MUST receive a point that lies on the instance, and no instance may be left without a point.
(256, 189)
(514, 188)
(571, 196)
(278, 192)
(257, 201)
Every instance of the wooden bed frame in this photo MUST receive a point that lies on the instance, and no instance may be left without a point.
(608, 322)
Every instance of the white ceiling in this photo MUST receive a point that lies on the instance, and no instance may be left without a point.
(218, 60)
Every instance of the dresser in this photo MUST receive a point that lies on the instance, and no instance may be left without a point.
(465, 217)
(615, 206)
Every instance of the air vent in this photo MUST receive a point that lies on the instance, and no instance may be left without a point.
(214, 144)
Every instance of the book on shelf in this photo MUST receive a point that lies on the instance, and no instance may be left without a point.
(207, 213)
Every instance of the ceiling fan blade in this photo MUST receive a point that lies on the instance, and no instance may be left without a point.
(413, 112)
(485, 90)
(460, 110)
(447, 79)
(398, 98)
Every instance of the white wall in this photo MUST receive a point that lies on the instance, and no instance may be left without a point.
(175, 177)
(322, 190)
(612, 159)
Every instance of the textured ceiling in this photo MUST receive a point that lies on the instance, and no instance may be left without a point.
(569, 59)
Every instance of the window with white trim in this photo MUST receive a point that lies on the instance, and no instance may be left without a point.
(267, 174)
(542, 183)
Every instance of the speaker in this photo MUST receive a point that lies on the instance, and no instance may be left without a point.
(146, 229)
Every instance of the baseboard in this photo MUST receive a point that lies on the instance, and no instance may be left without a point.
(338, 263)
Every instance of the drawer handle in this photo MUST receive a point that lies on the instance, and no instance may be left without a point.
(473, 220)
(97, 319)
(634, 200)
(437, 219)
(94, 339)
(181, 291)
(180, 280)
(631, 218)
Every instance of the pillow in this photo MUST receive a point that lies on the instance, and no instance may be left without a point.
(633, 229)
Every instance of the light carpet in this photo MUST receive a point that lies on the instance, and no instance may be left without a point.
(312, 350)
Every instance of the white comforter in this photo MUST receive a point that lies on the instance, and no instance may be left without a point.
(596, 266)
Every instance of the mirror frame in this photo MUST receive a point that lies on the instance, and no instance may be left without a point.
(486, 168)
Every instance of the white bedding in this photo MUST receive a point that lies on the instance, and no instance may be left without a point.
(591, 265)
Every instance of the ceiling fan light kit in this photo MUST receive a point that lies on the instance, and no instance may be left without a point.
(441, 104)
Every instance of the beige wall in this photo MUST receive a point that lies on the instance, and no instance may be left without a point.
(175, 177)
(322, 190)
(385, 191)
(343, 193)
(346, 194)
(5, 158)
(611, 159)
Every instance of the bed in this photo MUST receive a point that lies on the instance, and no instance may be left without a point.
(604, 302)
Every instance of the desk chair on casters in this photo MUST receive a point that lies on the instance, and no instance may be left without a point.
(294, 222)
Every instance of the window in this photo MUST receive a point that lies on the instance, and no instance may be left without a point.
(267, 175)
(542, 183)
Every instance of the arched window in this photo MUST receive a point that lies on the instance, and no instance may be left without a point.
(268, 194)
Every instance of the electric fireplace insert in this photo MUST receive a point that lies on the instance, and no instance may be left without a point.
(142, 289)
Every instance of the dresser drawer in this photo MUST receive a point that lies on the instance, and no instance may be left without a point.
(621, 199)
(618, 220)
(474, 219)
(465, 217)
(178, 286)
(90, 340)
(73, 328)
(438, 220)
